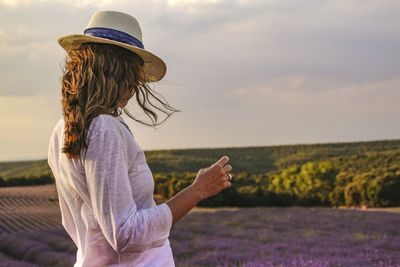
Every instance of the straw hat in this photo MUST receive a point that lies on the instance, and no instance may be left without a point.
(120, 29)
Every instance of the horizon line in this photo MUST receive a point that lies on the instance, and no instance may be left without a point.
(239, 147)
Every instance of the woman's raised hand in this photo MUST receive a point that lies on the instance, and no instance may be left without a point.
(213, 179)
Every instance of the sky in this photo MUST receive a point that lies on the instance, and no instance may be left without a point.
(243, 73)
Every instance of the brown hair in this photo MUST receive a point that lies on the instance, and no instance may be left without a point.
(97, 79)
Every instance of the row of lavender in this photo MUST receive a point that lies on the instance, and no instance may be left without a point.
(245, 237)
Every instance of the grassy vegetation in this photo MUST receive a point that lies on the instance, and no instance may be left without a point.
(359, 173)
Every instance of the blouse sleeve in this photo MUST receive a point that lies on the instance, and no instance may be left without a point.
(124, 226)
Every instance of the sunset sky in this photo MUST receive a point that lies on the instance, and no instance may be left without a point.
(244, 73)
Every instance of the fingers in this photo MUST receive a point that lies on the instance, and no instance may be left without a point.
(222, 161)
(227, 184)
(226, 178)
(224, 169)
(227, 168)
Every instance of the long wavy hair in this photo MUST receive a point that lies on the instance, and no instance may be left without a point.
(100, 79)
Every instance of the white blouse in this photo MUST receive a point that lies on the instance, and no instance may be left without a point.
(106, 198)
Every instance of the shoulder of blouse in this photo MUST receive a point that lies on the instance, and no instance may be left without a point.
(103, 122)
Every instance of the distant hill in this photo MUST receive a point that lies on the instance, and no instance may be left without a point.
(257, 160)
(253, 160)
(336, 174)
(27, 169)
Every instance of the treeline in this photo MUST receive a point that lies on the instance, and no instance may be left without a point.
(310, 184)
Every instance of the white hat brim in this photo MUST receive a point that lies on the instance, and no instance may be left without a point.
(154, 67)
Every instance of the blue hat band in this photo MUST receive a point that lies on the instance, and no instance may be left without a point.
(114, 35)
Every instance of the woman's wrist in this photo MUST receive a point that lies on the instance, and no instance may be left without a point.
(184, 201)
(195, 192)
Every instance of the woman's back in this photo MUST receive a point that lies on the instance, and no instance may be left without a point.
(106, 198)
(104, 184)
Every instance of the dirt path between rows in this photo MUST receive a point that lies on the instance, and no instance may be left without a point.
(391, 209)
(205, 209)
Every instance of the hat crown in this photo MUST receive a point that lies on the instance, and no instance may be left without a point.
(119, 29)
(117, 21)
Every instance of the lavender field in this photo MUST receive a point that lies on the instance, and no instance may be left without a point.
(31, 235)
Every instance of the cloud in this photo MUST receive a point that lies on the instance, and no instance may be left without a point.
(285, 71)
(16, 3)
(223, 43)
(75, 3)
(192, 3)
(285, 95)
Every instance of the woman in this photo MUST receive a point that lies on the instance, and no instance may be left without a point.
(104, 184)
